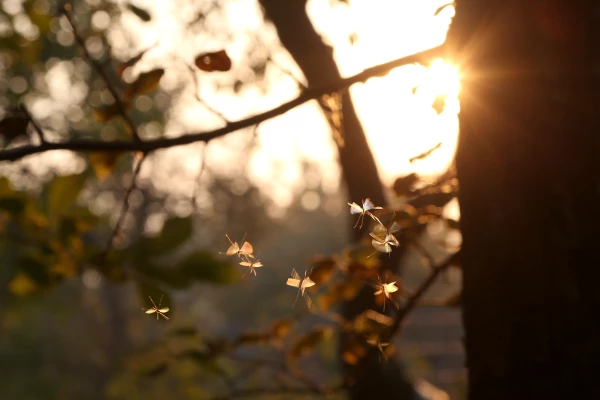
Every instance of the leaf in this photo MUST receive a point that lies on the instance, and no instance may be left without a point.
(307, 343)
(439, 103)
(442, 8)
(145, 83)
(106, 113)
(425, 154)
(103, 163)
(281, 328)
(14, 205)
(215, 61)
(206, 361)
(63, 192)
(323, 269)
(204, 266)
(130, 63)
(174, 233)
(13, 125)
(22, 285)
(139, 12)
(372, 322)
(403, 185)
(34, 268)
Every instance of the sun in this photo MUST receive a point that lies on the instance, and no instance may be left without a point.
(444, 78)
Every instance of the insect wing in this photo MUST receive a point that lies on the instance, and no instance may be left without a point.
(257, 264)
(233, 249)
(308, 301)
(247, 249)
(394, 228)
(164, 310)
(368, 205)
(246, 264)
(355, 208)
(307, 282)
(380, 233)
(391, 287)
(150, 311)
(293, 282)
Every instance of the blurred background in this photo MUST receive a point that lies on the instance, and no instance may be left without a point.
(72, 329)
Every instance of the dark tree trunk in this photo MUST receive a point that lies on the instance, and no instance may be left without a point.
(527, 163)
(315, 59)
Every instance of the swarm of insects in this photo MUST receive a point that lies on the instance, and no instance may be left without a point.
(156, 309)
(301, 283)
(366, 208)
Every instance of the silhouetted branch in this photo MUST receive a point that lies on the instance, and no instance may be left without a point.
(38, 129)
(124, 210)
(413, 300)
(67, 10)
(162, 143)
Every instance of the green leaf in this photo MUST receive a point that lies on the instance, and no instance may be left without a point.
(13, 205)
(139, 12)
(162, 274)
(63, 192)
(204, 266)
(174, 233)
(35, 269)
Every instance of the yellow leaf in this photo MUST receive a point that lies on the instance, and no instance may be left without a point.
(106, 113)
(103, 163)
(146, 82)
(22, 285)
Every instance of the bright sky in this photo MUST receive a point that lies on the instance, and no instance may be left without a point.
(399, 124)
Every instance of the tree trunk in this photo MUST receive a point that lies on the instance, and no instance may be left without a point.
(529, 196)
(359, 171)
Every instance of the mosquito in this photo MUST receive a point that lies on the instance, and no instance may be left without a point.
(366, 208)
(387, 289)
(245, 250)
(301, 284)
(384, 239)
(380, 346)
(251, 265)
(157, 309)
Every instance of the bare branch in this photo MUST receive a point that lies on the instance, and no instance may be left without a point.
(162, 143)
(34, 123)
(124, 210)
(67, 10)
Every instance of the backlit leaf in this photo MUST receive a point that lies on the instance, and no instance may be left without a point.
(442, 8)
(22, 285)
(215, 61)
(106, 113)
(403, 185)
(103, 163)
(63, 192)
(130, 63)
(323, 268)
(139, 12)
(145, 83)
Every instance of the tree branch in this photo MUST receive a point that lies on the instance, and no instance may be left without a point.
(67, 11)
(162, 143)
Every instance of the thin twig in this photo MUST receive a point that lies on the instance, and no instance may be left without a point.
(199, 177)
(413, 300)
(67, 10)
(38, 129)
(200, 100)
(124, 210)
(183, 139)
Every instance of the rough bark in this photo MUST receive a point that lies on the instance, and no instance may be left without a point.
(316, 61)
(529, 197)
